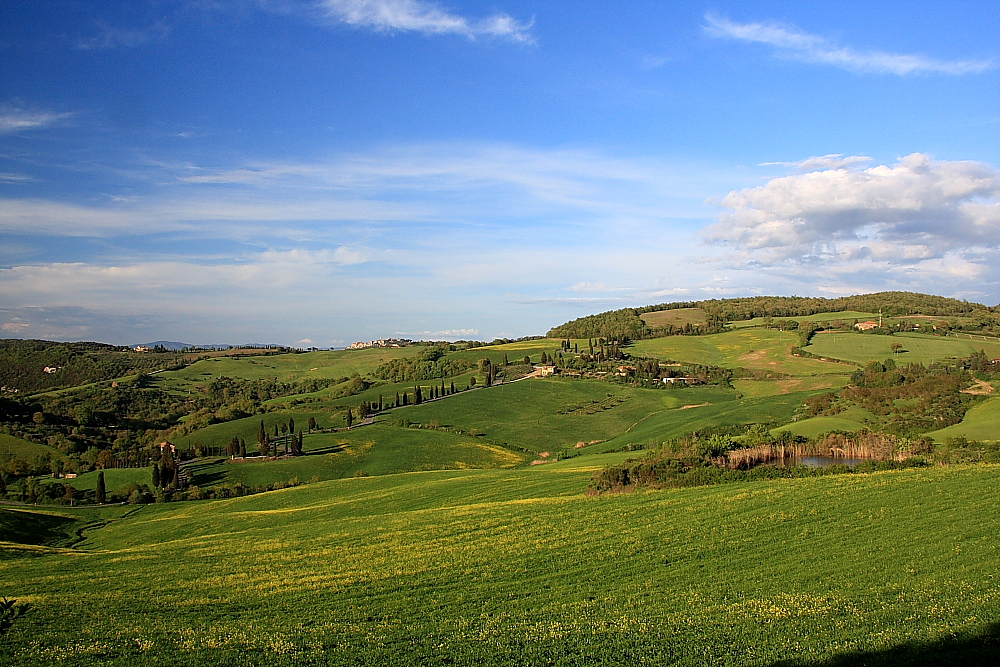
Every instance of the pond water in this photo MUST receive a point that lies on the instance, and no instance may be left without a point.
(817, 461)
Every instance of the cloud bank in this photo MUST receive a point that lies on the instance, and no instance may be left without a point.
(934, 216)
(792, 42)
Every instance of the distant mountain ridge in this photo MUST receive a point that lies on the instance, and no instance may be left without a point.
(175, 346)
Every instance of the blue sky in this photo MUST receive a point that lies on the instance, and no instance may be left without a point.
(323, 171)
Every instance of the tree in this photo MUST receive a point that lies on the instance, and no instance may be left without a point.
(505, 362)
(418, 396)
(264, 446)
(291, 425)
(349, 418)
(38, 418)
(156, 476)
(453, 386)
(896, 348)
(176, 481)
(101, 495)
(105, 459)
(312, 421)
(3, 486)
(526, 361)
(261, 432)
(243, 448)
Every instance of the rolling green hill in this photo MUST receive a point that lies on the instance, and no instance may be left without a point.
(917, 348)
(981, 423)
(756, 349)
(518, 567)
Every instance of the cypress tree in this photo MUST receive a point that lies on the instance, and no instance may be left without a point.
(380, 402)
(243, 448)
(505, 362)
(453, 386)
(291, 425)
(350, 418)
(156, 476)
(176, 482)
(261, 432)
(312, 424)
(397, 399)
(418, 396)
(101, 496)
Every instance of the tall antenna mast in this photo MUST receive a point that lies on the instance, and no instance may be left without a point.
(879, 318)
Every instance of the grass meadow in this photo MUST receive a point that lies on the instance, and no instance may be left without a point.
(981, 423)
(756, 349)
(677, 317)
(552, 414)
(25, 449)
(917, 348)
(518, 567)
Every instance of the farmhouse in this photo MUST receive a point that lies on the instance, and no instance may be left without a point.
(140, 348)
(545, 369)
(866, 326)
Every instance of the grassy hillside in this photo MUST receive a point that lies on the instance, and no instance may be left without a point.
(677, 317)
(519, 568)
(757, 349)
(372, 450)
(981, 423)
(555, 414)
(917, 348)
(25, 449)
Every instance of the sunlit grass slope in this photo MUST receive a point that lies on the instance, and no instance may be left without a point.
(981, 423)
(678, 422)
(545, 414)
(284, 367)
(815, 426)
(373, 450)
(917, 348)
(759, 388)
(519, 568)
(757, 349)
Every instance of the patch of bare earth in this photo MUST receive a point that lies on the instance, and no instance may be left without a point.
(700, 405)
(980, 388)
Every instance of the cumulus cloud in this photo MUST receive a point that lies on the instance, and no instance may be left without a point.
(423, 17)
(15, 118)
(934, 216)
(792, 42)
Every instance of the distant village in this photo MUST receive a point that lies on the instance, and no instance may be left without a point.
(381, 342)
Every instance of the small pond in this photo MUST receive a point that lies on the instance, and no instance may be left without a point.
(817, 461)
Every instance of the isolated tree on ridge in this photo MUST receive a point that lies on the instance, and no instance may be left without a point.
(101, 495)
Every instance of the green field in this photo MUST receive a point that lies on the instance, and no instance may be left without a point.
(756, 349)
(373, 450)
(284, 367)
(25, 449)
(115, 479)
(981, 423)
(917, 348)
(552, 414)
(218, 435)
(679, 422)
(815, 426)
(759, 388)
(519, 568)
(677, 317)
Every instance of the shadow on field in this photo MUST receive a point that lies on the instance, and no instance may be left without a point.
(332, 449)
(37, 528)
(968, 650)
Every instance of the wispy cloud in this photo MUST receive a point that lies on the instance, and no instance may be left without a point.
(793, 42)
(423, 17)
(111, 37)
(15, 118)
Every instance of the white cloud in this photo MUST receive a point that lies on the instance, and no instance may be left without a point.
(934, 217)
(793, 42)
(15, 118)
(423, 17)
